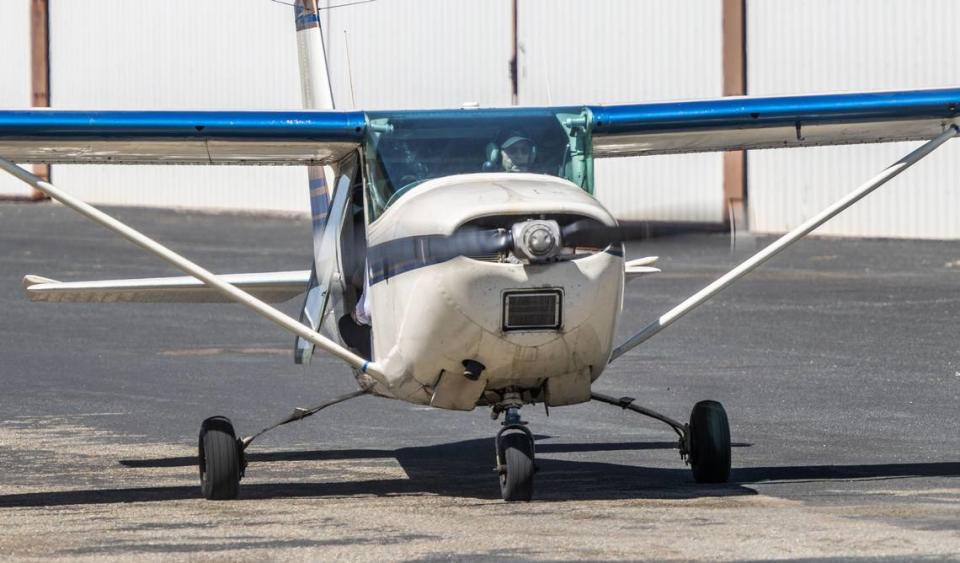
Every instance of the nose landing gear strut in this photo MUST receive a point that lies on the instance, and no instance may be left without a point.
(515, 452)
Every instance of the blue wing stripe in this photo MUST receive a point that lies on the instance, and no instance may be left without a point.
(321, 137)
(733, 113)
(194, 125)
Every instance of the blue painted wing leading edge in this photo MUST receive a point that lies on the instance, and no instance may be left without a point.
(756, 123)
(322, 137)
(179, 137)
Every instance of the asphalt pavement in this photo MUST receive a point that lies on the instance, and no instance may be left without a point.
(838, 363)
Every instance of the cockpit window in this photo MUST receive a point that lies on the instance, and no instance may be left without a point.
(404, 149)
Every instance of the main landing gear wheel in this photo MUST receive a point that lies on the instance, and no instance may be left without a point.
(709, 443)
(221, 459)
(517, 467)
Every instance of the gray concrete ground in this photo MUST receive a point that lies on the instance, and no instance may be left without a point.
(839, 364)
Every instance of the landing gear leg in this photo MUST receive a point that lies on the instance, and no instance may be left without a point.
(704, 441)
(515, 456)
(222, 461)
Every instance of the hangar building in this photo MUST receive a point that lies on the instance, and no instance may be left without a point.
(241, 54)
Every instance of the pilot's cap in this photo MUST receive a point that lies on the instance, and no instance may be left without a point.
(519, 153)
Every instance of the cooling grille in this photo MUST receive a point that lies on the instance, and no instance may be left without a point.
(532, 310)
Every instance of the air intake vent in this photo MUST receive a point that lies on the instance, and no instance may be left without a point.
(488, 257)
(532, 310)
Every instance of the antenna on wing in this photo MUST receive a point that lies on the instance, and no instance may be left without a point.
(346, 46)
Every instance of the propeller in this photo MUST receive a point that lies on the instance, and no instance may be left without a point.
(533, 240)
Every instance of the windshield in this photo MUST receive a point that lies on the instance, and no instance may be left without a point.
(404, 149)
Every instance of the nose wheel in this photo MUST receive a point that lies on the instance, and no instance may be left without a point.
(515, 458)
(517, 468)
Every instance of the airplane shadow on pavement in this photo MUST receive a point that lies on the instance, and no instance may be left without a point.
(465, 469)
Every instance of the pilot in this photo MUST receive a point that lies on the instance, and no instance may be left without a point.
(516, 154)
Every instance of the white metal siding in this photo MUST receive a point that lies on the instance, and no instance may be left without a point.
(216, 54)
(15, 57)
(855, 45)
(440, 53)
(223, 54)
(622, 51)
(423, 54)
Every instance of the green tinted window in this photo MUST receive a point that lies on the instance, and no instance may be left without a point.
(404, 149)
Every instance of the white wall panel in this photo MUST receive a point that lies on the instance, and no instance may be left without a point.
(423, 54)
(15, 58)
(854, 45)
(216, 54)
(223, 54)
(440, 53)
(182, 54)
(621, 51)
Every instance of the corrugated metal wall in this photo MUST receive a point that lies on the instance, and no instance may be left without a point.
(15, 85)
(428, 54)
(225, 54)
(441, 53)
(117, 54)
(829, 46)
(620, 51)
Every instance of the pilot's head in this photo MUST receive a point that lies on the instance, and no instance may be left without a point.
(517, 154)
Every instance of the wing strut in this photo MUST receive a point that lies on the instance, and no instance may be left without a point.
(231, 292)
(783, 242)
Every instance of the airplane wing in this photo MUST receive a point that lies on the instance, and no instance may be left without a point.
(272, 287)
(179, 137)
(323, 137)
(737, 123)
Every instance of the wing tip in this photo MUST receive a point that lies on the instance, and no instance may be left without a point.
(645, 261)
(31, 280)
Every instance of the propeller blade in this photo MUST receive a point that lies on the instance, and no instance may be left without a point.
(590, 233)
(404, 254)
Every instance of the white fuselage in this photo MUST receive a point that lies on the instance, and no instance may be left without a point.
(428, 320)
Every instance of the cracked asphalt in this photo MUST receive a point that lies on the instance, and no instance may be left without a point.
(838, 363)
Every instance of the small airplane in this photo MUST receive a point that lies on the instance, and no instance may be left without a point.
(460, 259)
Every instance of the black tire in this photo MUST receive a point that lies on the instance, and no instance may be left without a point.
(709, 443)
(220, 459)
(516, 483)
